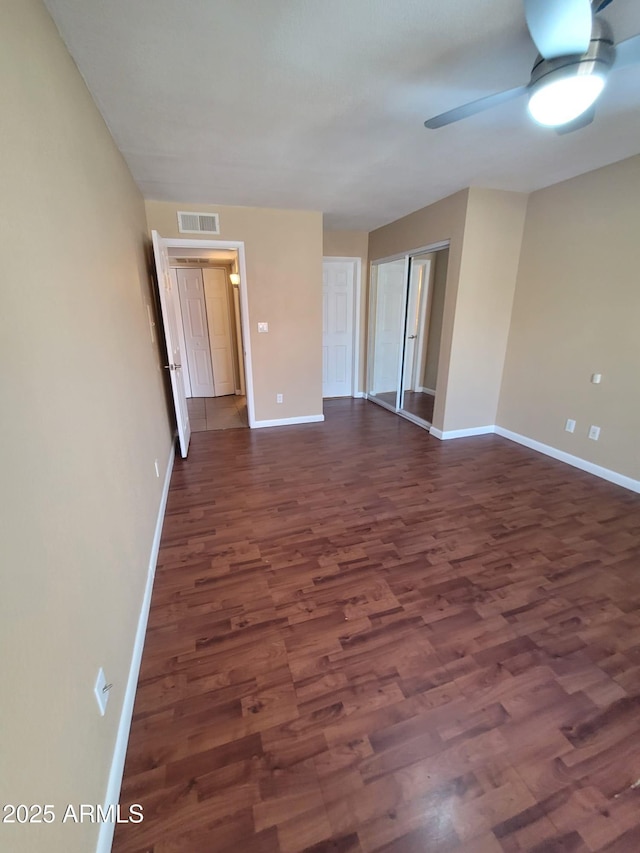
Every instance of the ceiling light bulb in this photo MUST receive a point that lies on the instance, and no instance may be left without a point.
(563, 99)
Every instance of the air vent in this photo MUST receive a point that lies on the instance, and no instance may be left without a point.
(198, 223)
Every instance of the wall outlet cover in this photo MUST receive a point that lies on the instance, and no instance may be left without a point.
(594, 432)
(570, 425)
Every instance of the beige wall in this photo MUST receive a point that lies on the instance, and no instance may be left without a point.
(345, 244)
(284, 282)
(444, 220)
(83, 419)
(353, 244)
(492, 242)
(485, 231)
(576, 312)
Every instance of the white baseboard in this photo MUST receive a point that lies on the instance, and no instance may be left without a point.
(547, 449)
(105, 835)
(359, 395)
(461, 433)
(575, 461)
(424, 390)
(305, 419)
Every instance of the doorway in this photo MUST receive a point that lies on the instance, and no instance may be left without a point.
(210, 331)
(174, 329)
(405, 329)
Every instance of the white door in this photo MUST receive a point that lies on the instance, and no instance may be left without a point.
(196, 333)
(337, 328)
(168, 296)
(216, 292)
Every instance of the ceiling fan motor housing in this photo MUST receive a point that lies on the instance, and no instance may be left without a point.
(598, 58)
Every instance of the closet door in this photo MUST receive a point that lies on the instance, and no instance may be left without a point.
(196, 334)
(216, 289)
(386, 330)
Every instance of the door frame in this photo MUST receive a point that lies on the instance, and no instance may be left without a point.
(408, 257)
(238, 245)
(355, 342)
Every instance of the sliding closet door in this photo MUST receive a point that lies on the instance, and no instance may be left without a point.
(423, 331)
(415, 400)
(388, 287)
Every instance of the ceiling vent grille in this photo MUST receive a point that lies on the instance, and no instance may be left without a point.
(198, 223)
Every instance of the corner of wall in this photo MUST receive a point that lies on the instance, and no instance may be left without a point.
(492, 242)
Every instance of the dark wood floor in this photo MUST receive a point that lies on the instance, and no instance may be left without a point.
(362, 638)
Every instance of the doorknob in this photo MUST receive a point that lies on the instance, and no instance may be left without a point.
(172, 366)
(411, 337)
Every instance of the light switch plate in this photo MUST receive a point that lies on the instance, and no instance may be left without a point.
(570, 425)
(594, 432)
(263, 327)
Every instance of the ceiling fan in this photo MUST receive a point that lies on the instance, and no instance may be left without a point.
(576, 53)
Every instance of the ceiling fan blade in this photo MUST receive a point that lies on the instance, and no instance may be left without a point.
(578, 123)
(559, 27)
(474, 107)
(627, 52)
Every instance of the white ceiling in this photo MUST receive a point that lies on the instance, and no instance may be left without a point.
(319, 104)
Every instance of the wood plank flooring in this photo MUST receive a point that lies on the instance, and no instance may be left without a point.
(364, 639)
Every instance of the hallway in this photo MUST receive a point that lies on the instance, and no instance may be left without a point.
(213, 413)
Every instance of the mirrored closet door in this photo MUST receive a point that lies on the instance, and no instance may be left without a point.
(386, 330)
(405, 326)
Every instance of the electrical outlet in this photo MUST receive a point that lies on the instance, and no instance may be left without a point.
(596, 378)
(570, 425)
(102, 690)
(594, 432)
(279, 398)
(263, 327)
(157, 467)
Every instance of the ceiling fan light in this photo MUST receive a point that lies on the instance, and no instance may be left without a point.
(557, 100)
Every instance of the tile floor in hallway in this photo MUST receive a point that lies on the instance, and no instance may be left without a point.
(207, 413)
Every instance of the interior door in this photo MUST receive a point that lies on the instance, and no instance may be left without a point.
(216, 291)
(168, 296)
(337, 328)
(196, 333)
